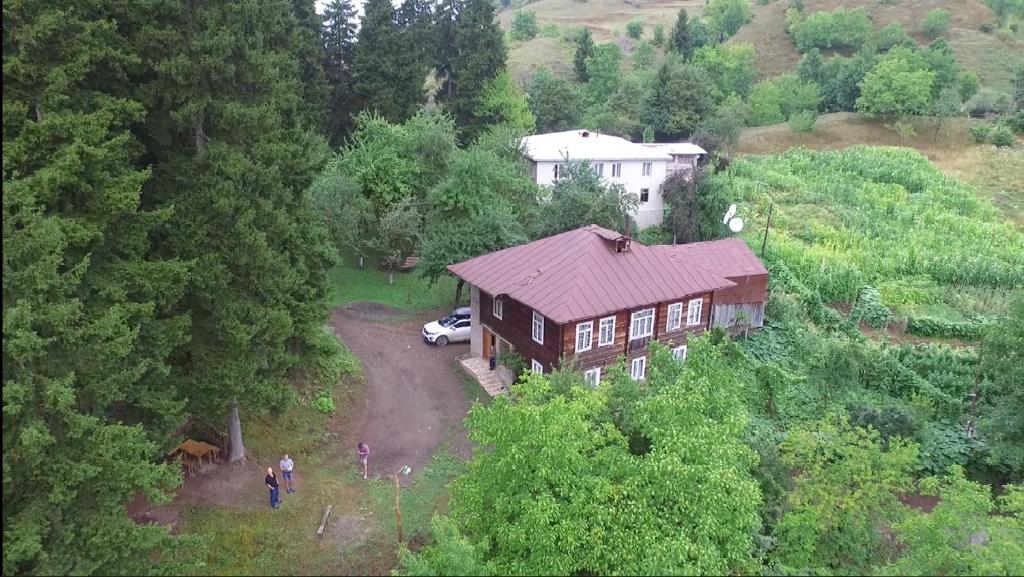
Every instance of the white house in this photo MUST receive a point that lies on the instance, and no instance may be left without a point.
(639, 168)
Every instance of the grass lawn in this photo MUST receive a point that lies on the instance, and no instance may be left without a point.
(410, 292)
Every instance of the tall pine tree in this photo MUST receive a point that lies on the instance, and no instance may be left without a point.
(481, 53)
(89, 318)
(311, 55)
(233, 155)
(386, 80)
(446, 12)
(338, 35)
(584, 50)
(681, 40)
(416, 23)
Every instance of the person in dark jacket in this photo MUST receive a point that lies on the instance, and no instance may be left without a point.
(273, 485)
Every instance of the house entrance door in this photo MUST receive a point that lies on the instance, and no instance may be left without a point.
(488, 343)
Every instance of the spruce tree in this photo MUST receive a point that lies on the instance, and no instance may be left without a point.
(385, 79)
(232, 155)
(89, 318)
(584, 50)
(446, 13)
(681, 41)
(311, 56)
(415, 22)
(338, 35)
(480, 57)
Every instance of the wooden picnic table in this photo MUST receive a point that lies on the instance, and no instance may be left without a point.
(190, 449)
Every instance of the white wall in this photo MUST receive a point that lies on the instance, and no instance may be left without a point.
(649, 213)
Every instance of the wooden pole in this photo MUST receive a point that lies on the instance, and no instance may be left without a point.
(767, 224)
(398, 508)
(323, 523)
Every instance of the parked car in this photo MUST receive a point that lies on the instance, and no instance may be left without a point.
(449, 329)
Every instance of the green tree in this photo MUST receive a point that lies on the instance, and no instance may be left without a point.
(681, 41)
(561, 478)
(848, 482)
(765, 104)
(621, 114)
(635, 29)
(604, 70)
(416, 22)
(310, 52)
(947, 105)
(233, 158)
(681, 96)
(480, 57)
(446, 13)
(895, 88)
(554, 101)
(385, 79)
(501, 103)
(91, 318)
(584, 51)
(892, 35)
(725, 17)
(643, 55)
(524, 25)
(398, 234)
(659, 35)
(965, 534)
(681, 194)
(347, 215)
(579, 197)
(1002, 399)
(730, 66)
(339, 39)
(935, 22)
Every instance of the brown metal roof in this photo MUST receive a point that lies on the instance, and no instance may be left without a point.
(578, 274)
(730, 257)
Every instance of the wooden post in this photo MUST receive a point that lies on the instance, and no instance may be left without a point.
(767, 224)
(398, 507)
(323, 523)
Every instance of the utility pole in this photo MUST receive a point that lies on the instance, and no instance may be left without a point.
(398, 499)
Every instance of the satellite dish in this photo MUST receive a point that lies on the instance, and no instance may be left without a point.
(736, 224)
(729, 214)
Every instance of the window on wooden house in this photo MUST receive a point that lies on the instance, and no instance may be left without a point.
(584, 336)
(679, 353)
(592, 377)
(693, 311)
(641, 324)
(675, 317)
(538, 327)
(637, 368)
(606, 334)
(536, 367)
(498, 307)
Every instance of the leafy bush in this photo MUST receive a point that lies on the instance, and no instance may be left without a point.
(803, 121)
(926, 326)
(512, 361)
(892, 35)
(989, 102)
(942, 445)
(330, 359)
(524, 25)
(935, 22)
(987, 27)
(837, 29)
(659, 35)
(794, 16)
(635, 29)
(980, 131)
(889, 421)
(654, 235)
(550, 30)
(323, 402)
(725, 17)
(870, 309)
(1002, 135)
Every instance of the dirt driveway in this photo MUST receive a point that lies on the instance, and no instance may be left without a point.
(414, 398)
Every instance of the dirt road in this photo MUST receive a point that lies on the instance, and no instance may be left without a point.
(414, 398)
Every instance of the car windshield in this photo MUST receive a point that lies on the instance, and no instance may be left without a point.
(448, 321)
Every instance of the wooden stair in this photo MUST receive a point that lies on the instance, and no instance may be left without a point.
(479, 369)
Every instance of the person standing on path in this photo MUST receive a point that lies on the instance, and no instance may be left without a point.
(494, 358)
(272, 484)
(364, 456)
(287, 465)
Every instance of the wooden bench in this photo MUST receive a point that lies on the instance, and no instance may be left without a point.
(409, 263)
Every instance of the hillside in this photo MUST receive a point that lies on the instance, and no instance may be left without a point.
(990, 55)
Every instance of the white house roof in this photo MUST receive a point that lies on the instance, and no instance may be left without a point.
(587, 145)
(677, 148)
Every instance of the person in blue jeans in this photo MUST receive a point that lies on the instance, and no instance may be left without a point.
(287, 466)
(272, 484)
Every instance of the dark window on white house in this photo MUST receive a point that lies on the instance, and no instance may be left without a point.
(645, 194)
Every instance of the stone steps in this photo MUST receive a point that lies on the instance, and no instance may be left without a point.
(479, 370)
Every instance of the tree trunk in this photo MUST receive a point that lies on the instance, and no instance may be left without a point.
(235, 433)
(391, 275)
(458, 293)
(360, 261)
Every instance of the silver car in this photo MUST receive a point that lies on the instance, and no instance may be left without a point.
(452, 328)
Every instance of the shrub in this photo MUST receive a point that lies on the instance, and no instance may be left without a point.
(803, 121)
(987, 27)
(1002, 135)
(989, 102)
(793, 18)
(512, 361)
(329, 359)
(840, 28)
(524, 25)
(1016, 122)
(659, 36)
(870, 309)
(889, 421)
(980, 131)
(635, 29)
(892, 35)
(654, 235)
(935, 22)
(725, 17)
(550, 30)
(764, 2)
(926, 326)
(942, 445)
(323, 402)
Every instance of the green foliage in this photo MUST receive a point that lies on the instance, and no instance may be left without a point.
(681, 41)
(935, 22)
(782, 97)
(559, 480)
(1007, 10)
(943, 445)
(346, 214)
(385, 80)
(502, 104)
(554, 102)
(1002, 135)
(1003, 368)
(604, 73)
(803, 121)
(870, 309)
(524, 25)
(839, 77)
(584, 51)
(895, 87)
(938, 327)
(635, 29)
(648, 134)
(892, 35)
(965, 534)
(323, 402)
(980, 131)
(398, 232)
(659, 38)
(330, 360)
(847, 485)
(550, 30)
(338, 36)
(730, 66)
(681, 96)
(580, 197)
(840, 28)
(989, 102)
(725, 17)
(512, 360)
(480, 54)
(643, 55)
(654, 235)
